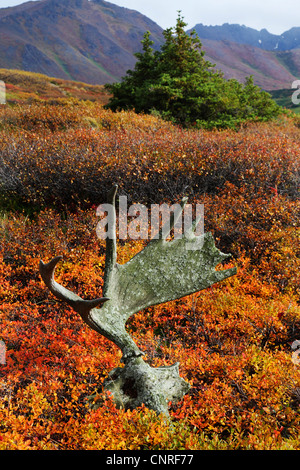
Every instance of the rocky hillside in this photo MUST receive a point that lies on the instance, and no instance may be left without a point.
(90, 41)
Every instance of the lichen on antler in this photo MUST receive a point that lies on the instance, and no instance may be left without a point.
(161, 272)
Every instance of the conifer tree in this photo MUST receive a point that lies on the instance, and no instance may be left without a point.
(182, 86)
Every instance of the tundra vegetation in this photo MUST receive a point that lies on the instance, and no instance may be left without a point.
(58, 160)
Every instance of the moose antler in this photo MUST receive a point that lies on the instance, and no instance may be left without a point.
(161, 272)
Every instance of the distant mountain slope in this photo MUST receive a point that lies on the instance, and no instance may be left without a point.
(271, 70)
(91, 41)
(239, 51)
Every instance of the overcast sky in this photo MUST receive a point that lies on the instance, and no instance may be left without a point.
(276, 16)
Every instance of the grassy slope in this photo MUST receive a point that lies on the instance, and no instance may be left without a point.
(24, 86)
(284, 99)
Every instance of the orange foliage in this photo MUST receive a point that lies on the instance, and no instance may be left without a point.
(233, 340)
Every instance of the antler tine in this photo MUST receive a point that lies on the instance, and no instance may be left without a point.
(189, 233)
(83, 307)
(166, 229)
(111, 244)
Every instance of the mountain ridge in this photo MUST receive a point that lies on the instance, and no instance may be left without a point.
(242, 34)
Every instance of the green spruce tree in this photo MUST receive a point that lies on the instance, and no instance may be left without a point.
(183, 87)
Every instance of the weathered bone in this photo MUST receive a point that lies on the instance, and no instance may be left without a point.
(161, 272)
